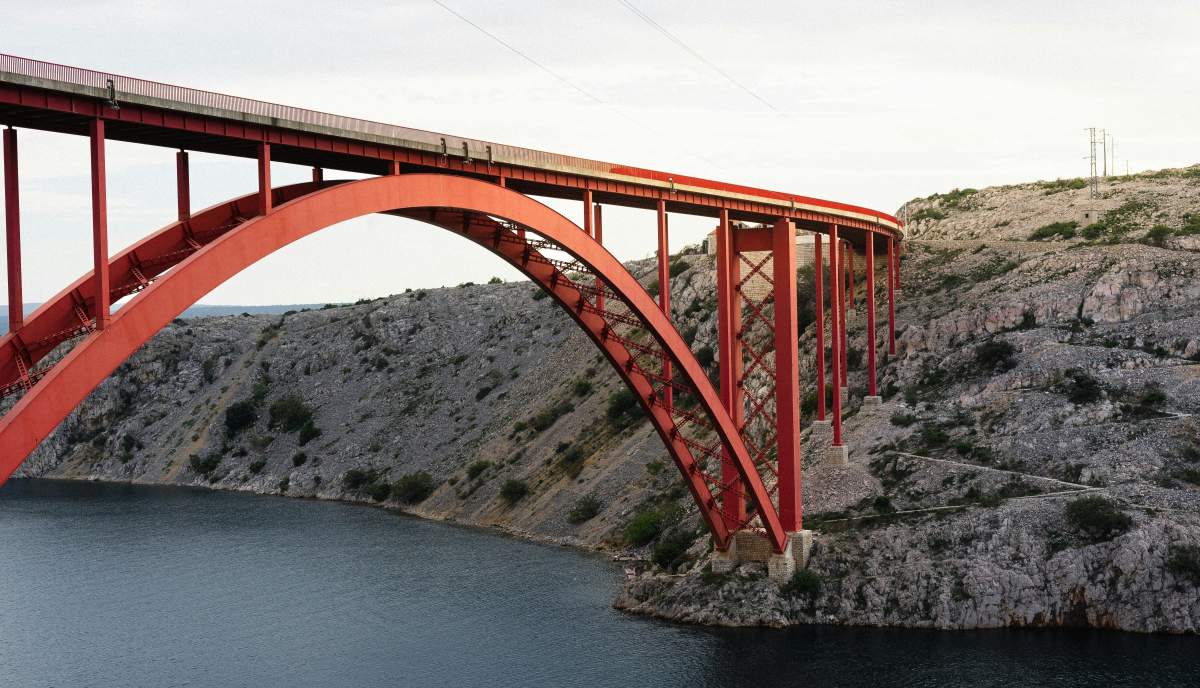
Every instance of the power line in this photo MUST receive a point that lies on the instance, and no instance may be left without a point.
(527, 58)
(679, 42)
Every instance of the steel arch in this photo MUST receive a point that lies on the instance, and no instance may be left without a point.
(188, 270)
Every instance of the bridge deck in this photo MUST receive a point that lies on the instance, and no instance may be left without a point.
(44, 95)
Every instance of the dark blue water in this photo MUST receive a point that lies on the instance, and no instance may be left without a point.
(110, 585)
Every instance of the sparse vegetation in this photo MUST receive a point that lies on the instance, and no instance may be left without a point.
(239, 416)
(477, 468)
(413, 488)
(585, 509)
(996, 355)
(1097, 518)
(513, 491)
(804, 583)
(1184, 562)
(1060, 230)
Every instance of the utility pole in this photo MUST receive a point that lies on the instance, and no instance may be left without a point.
(1093, 183)
(1104, 150)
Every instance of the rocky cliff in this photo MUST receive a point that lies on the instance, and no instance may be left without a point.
(1036, 461)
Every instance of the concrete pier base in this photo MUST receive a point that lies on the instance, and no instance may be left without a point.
(748, 545)
(822, 423)
(872, 403)
(838, 456)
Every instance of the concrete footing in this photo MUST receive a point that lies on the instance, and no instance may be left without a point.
(823, 423)
(751, 546)
(838, 456)
(872, 403)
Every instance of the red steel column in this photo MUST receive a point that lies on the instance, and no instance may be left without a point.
(871, 382)
(787, 375)
(598, 228)
(587, 213)
(12, 231)
(183, 185)
(819, 308)
(664, 291)
(843, 338)
(850, 274)
(729, 315)
(319, 175)
(836, 298)
(99, 224)
(891, 264)
(264, 178)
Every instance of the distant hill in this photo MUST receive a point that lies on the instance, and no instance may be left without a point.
(198, 311)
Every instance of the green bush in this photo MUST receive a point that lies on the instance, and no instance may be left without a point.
(299, 459)
(804, 583)
(678, 267)
(290, 413)
(671, 548)
(548, 416)
(477, 468)
(903, 420)
(1081, 388)
(649, 522)
(622, 407)
(413, 488)
(513, 491)
(1097, 518)
(928, 214)
(356, 479)
(379, 490)
(257, 465)
(308, 433)
(585, 509)
(1184, 562)
(581, 387)
(204, 465)
(996, 355)
(1157, 236)
(705, 356)
(1064, 230)
(239, 416)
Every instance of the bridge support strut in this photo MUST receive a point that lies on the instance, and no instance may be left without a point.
(819, 309)
(99, 225)
(837, 452)
(183, 185)
(12, 231)
(872, 399)
(891, 295)
(664, 290)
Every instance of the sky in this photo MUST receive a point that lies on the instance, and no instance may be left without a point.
(871, 103)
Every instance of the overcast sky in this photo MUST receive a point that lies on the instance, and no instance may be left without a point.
(865, 102)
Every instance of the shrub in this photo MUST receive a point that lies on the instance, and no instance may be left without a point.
(1064, 230)
(581, 387)
(996, 355)
(705, 356)
(671, 548)
(513, 491)
(257, 465)
(1081, 388)
(804, 583)
(1184, 562)
(413, 488)
(1097, 518)
(622, 407)
(356, 479)
(308, 433)
(299, 459)
(495, 280)
(477, 468)
(239, 416)
(548, 416)
(678, 267)
(903, 420)
(649, 522)
(1157, 235)
(585, 509)
(290, 413)
(379, 490)
(1093, 231)
(208, 370)
(204, 465)
(927, 214)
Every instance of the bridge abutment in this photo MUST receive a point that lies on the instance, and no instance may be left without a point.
(752, 546)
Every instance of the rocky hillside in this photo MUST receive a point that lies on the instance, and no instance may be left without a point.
(1036, 461)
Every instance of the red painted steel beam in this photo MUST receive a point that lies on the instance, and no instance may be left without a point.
(844, 339)
(100, 307)
(871, 373)
(849, 275)
(819, 308)
(664, 287)
(587, 214)
(183, 185)
(598, 228)
(12, 231)
(28, 107)
(729, 316)
(891, 295)
(68, 382)
(836, 298)
(264, 178)
(318, 175)
(787, 377)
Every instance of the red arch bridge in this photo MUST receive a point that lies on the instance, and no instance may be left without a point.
(738, 449)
